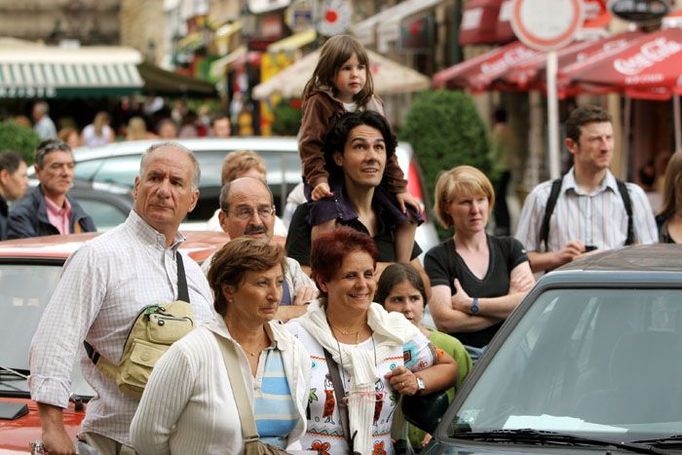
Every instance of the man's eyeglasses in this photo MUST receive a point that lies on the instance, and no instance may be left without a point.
(246, 213)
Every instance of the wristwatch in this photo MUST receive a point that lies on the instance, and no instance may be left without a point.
(420, 385)
(474, 306)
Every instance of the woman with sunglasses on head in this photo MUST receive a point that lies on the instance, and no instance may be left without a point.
(371, 358)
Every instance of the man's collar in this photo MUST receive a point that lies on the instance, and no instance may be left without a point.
(149, 234)
(570, 183)
(54, 208)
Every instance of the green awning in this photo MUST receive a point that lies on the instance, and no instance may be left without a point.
(52, 72)
(158, 81)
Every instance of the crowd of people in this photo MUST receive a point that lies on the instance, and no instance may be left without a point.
(306, 347)
(179, 122)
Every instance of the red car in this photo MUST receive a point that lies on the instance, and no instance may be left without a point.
(29, 271)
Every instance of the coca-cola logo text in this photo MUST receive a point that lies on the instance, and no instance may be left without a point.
(507, 60)
(649, 54)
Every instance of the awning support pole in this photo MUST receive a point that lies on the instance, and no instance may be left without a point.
(625, 148)
(677, 118)
(553, 116)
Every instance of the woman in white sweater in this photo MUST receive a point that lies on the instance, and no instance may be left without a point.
(189, 405)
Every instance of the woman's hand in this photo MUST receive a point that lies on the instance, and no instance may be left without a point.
(403, 381)
(460, 299)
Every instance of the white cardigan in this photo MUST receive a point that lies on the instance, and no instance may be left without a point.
(188, 405)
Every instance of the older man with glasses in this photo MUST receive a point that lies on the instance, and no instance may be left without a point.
(247, 209)
(48, 209)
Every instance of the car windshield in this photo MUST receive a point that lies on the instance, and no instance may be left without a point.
(593, 362)
(25, 290)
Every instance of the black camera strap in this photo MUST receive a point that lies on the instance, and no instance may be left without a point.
(340, 394)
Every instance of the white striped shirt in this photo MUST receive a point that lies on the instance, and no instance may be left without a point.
(103, 287)
(597, 218)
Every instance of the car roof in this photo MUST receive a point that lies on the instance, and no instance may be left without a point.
(198, 244)
(256, 143)
(657, 257)
(627, 267)
(274, 143)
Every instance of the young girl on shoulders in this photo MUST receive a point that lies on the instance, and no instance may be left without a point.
(342, 83)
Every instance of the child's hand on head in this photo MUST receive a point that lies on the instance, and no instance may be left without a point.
(321, 191)
(405, 199)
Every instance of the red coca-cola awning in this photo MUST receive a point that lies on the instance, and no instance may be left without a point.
(503, 29)
(647, 68)
(480, 72)
(531, 73)
(479, 22)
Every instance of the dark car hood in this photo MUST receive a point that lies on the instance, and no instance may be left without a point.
(482, 448)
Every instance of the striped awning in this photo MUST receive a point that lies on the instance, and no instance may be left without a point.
(52, 72)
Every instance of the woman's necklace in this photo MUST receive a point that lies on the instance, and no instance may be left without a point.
(338, 346)
(347, 332)
(254, 353)
(259, 347)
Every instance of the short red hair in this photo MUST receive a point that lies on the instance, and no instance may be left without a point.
(330, 249)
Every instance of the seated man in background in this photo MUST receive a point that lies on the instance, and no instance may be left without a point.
(243, 163)
(48, 209)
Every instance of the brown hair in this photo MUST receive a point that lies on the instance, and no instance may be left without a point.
(235, 259)
(672, 186)
(582, 116)
(395, 274)
(101, 120)
(334, 53)
(330, 249)
(65, 133)
(238, 162)
(460, 180)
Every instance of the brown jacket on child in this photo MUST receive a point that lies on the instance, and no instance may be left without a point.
(320, 111)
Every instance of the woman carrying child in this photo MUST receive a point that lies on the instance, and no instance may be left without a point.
(343, 83)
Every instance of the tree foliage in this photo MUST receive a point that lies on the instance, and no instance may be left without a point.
(287, 119)
(445, 130)
(19, 138)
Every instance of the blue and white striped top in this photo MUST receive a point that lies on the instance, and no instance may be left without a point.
(274, 409)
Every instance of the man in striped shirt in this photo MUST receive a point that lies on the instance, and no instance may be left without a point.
(590, 210)
(103, 287)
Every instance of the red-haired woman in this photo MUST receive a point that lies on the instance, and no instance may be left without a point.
(379, 355)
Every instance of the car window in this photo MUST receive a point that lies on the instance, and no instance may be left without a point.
(86, 170)
(585, 360)
(24, 293)
(211, 164)
(121, 170)
(106, 216)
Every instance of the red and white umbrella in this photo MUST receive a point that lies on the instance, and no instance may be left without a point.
(530, 74)
(649, 67)
(479, 73)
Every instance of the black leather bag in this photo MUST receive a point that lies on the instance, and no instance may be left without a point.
(425, 411)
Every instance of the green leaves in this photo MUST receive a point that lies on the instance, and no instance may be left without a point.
(445, 130)
(18, 138)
